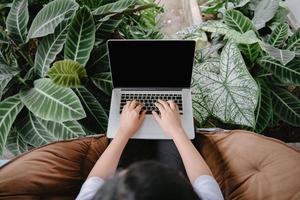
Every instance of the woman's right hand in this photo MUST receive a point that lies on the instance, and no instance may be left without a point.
(169, 118)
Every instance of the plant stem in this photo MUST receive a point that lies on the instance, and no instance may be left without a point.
(21, 80)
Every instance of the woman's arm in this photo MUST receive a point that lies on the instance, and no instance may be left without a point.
(130, 121)
(170, 122)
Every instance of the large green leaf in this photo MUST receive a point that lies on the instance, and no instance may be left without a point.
(289, 73)
(114, 8)
(81, 37)
(279, 35)
(98, 61)
(103, 82)
(106, 28)
(286, 106)
(293, 43)
(50, 16)
(17, 19)
(9, 109)
(15, 144)
(230, 91)
(264, 11)
(6, 74)
(48, 49)
(264, 110)
(52, 102)
(93, 107)
(67, 73)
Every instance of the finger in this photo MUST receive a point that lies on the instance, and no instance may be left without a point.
(142, 116)
(172, 104)
(164, 103)
(138, 108)
(156, 116)
(126, 105)
(133, 104)
(160, 107)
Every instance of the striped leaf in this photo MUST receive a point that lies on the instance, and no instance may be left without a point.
(106, 28)
(6, 74)
(33, 132)
(67, 73)
(98, 61)
(103, 82)
(48, 49)
(52, 102)
(114, 8)
(81, 37)
(9, 109)
(50, 17)
(279, 35)
(284, 56)
(289, 73)
(293, 42)
(17, 19)
(228, 88)
(264, 11)
(15, 143)
(286, 106)
(237, 21)
(264, 110)
(93, 108)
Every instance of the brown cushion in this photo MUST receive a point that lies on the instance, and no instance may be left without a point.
(251, 166)
(54, 171)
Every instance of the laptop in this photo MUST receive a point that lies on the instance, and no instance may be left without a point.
(147, 70)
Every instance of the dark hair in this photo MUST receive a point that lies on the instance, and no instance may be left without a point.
(147, 180)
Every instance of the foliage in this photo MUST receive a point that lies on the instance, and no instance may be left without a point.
(270, 54)
(55, 81)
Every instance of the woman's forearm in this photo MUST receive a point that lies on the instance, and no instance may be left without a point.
(108, 162)
(193, 162)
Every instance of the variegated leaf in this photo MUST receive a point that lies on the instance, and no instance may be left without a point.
(103, 82)
(293, 43)
(279, 35)
(15, 143)
(6, 74)
(114, 7)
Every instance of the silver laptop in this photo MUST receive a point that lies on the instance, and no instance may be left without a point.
(147, 70)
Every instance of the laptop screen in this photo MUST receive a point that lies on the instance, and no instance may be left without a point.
(151, 63)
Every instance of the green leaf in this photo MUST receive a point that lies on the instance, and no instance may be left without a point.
(15, 144)
(9, 109)
(81, 37)
(229, 91)
(106, 28)
(251, 51)
(293, 42)
(99, 61)
(114, 8)
(289, 73)
(33, 132)
(279, 35)
(17, 19)
(50, 17)
(103, 82)
(3, 38)
(264, 108)
(50, 46)
(281, 55)
(52, 102)
(286, 106)
(93, 107)
(6, 74)
(264, 11)
(67, 73)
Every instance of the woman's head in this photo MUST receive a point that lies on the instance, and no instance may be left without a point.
(147, 181)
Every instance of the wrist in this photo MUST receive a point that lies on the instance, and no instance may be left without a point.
(123, 134)
(178, 133)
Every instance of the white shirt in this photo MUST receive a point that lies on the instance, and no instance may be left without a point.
(205, 186)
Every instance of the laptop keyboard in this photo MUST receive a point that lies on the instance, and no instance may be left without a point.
(149, 99)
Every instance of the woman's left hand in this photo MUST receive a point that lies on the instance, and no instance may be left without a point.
(131, 119)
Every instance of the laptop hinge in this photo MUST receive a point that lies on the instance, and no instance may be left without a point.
(151, 89)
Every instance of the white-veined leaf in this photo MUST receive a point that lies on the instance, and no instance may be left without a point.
(67, 73)
(9, 109)
(114, 8)
(52, 102)
(286, 106)
(264, 11)
(103, 82)
(289, 73)
(264, 110)
(230, 91)
(106, 28)
(15, 144)
(6, 74)
(48, 49)
(50, 16)
(279, 35)
(284, 56)
(93, 107)
(81, 37)
(293, 43)
(17, 19)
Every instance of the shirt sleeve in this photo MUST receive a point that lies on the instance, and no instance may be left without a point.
(90, 188)
(207, 188)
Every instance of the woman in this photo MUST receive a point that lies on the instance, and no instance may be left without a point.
(150, 180)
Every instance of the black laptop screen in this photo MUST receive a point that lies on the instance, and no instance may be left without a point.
(151, 63)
